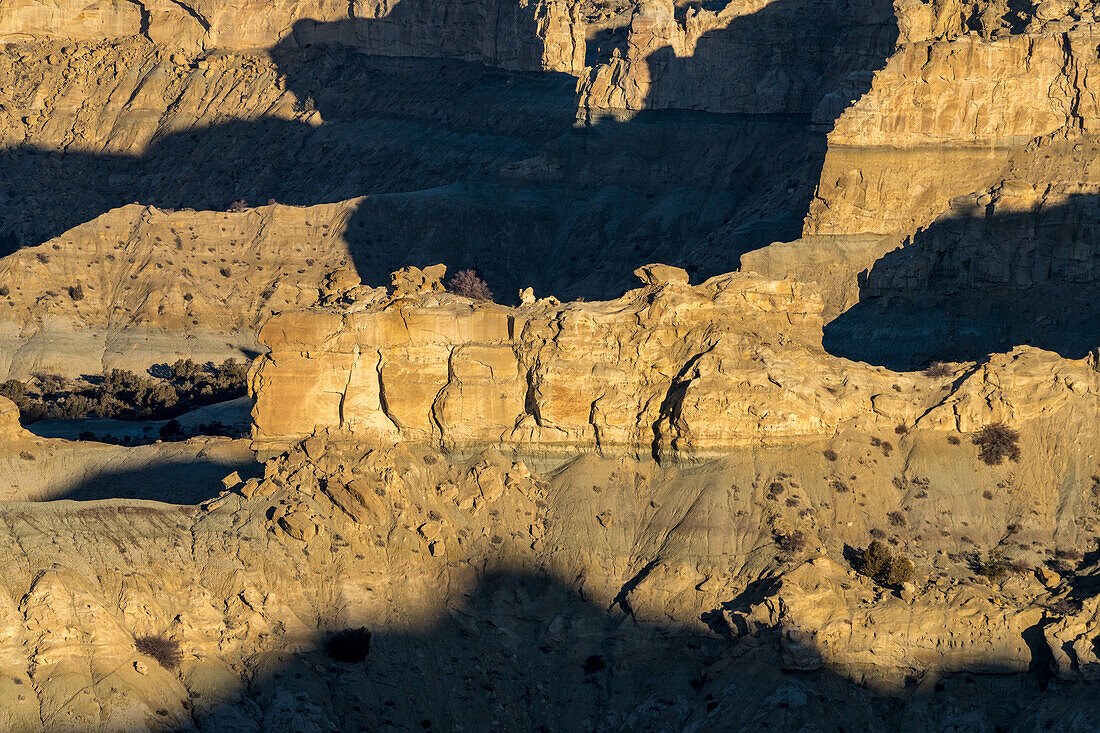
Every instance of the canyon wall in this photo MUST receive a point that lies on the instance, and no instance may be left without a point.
(500, 136)
(666, 370)
(495, 591)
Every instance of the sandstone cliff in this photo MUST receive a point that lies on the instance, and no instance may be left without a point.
(639, 511)
(668, 369)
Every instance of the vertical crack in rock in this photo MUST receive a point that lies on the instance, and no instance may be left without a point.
(437, 403)
(593, 409)
(1072, 75)
(530, 398)
(347, 386)
(670, 406)
(143, 29)
(194, 14)
(382, 401)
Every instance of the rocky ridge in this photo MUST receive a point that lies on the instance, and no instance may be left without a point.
(669, 369)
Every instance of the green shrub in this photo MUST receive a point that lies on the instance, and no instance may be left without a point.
(884, 567)
(122, 394)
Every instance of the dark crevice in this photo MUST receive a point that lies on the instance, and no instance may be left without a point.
(194, 14)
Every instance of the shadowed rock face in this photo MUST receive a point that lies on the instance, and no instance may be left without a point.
(471, 157)
(1003, 269)
(642, 513)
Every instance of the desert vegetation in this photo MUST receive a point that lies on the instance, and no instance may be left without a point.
(169, 391)
(997, 442)
(166, 651)
(469, 284)
(886, 568)
(938, 369)
(349, 646)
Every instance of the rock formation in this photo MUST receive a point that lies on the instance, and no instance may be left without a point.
(593, 505)
(666, 369)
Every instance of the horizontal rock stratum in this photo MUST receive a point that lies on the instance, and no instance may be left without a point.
(669, 368)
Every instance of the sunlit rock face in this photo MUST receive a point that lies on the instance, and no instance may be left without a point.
(584, 504)
(492, 589)
(667, 370)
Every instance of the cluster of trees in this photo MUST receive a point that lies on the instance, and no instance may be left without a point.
(168, 391)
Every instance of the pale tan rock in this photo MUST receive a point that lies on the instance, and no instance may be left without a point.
(410, 281)
(688, 371)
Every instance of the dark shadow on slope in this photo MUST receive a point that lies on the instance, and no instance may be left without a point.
(978, 282)
(483, 167)
(173, 480)
(523, 652)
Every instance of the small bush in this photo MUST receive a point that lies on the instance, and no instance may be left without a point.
(997, 442)
(468, 284)
(76, 292)
(166, 651)
(938, 369)
(349, 646)
(884, 567)
(594, 664)
(995, 565)
(13, 390)
(238, 205)
(953, 439)
(896, 519)
(901, 429)
(171, 429)
(791, 544)
(830, 454)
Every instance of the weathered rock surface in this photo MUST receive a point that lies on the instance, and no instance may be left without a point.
(494, 590)
(668, 369)
(144, 286)
(456, 120)
(474, 482)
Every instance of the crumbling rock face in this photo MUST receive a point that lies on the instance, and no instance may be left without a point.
(666, 370)
(407, 28)
(543, 598)
(145, 286)
(944, 118)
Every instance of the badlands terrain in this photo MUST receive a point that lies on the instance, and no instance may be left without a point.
(785, 414)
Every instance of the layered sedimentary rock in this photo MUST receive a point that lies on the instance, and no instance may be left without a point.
(542, 33)
(498, 593)
(145, 286)
(668, 368)
(950, 107)
(705, 131)
(475, 482)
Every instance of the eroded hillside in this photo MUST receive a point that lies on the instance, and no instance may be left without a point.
(835, 465)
